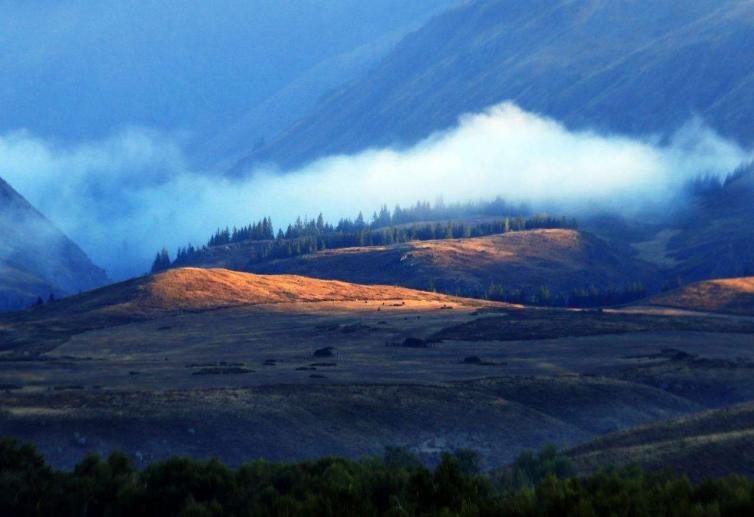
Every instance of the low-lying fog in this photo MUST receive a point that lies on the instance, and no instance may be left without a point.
(125, 197)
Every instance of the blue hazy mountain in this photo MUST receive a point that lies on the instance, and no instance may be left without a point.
(629, 66)
(37, 259)
(74, 71)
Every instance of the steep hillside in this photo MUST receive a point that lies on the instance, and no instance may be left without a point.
(219, 61)
(559, 259)
(267, 118)
(637, 66)
(36, 259)
(730, 295)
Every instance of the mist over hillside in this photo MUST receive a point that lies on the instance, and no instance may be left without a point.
(609, 111)
(124, 197)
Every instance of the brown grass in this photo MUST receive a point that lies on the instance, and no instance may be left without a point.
(197, 290)
(560, 259)
(204, 289)
(731, 295)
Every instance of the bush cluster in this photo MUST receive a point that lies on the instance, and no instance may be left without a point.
(397, 484)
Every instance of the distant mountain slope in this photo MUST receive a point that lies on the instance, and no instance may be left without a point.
(269, 117)
(177, 67)
(731, 295)
(559, 259)
(714, 237)
(636, 66)
(36, 259)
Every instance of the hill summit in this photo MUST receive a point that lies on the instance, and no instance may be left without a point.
(199, 289)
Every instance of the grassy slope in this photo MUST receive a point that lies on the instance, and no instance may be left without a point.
(148, 366)
(711, 443)
(294, 422)
(194, 290)
(198, 289)
(560, 259)
(730, 295)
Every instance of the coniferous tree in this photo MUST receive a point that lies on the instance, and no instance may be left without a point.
(161, 261)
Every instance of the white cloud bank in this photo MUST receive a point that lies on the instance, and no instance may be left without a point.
(123, 198)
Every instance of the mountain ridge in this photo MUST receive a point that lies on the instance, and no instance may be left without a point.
(613, 70)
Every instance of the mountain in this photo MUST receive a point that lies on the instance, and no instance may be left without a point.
(36, 259)
(266, 118)
(634, 66)
(200, 291)
(193, 67)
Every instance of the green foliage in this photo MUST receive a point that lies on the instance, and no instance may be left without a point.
(578, 298)
(161, 261)
(530, 469)
(594, 297)
(536, 484)
(259, 231)
(401, 458)
(25, 479)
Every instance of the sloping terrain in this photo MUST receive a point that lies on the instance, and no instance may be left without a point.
(263, 119)
(20, 288)
(192, 290)
(730, 295)
(295, 422)
(36, 259)
(638, 67)
(708, 444)
(238, 366)
(197, 289)
(559, 259)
